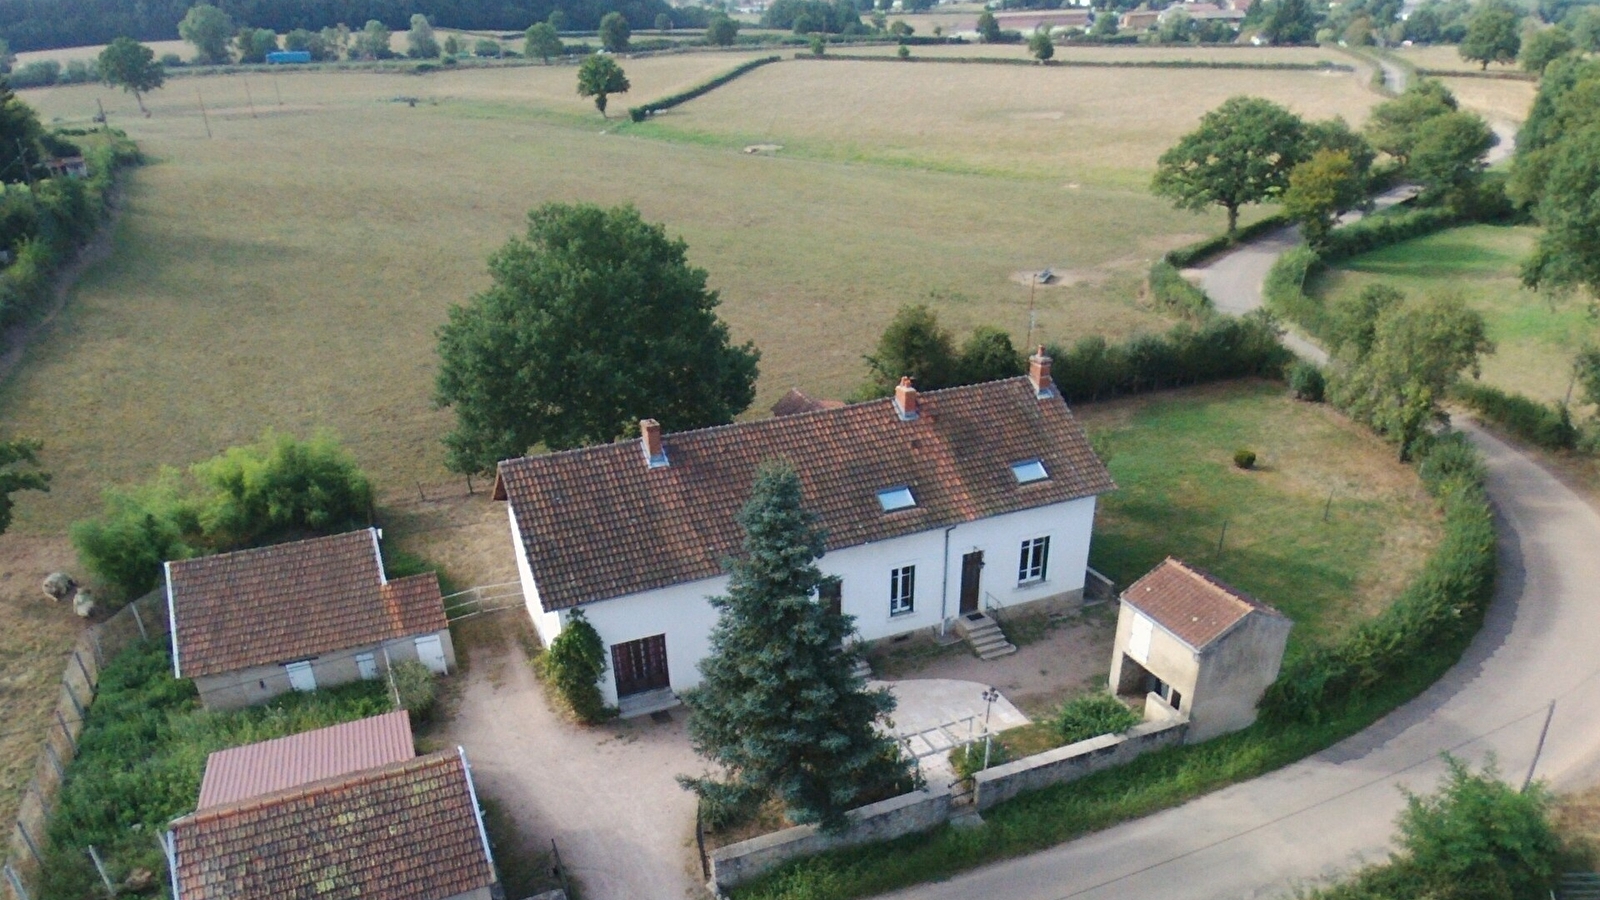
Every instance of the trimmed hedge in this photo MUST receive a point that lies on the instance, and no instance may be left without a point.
(1173, 292)
(1284, 290)
(1202, 250)
(1427, 627)
(1096, 63)
(1547, 425)
(1217, 349)
(1386, 228)
(639, 113)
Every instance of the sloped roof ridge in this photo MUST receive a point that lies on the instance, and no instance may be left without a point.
(1234, 593)
(337, 782)
(282, 545)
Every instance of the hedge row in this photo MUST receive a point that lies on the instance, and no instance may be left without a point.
(1095, 63)
(1219, 348)
(639, 113)
(1468, 73)
(45, 223)
(1384, 229)
(1427, 627)
(1204, 249)
(1547, 425)
(1174, 293)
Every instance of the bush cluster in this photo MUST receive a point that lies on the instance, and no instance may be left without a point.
(415, 688)
(573, 665)
(277, 489)
(640, 113)
(967, 761)
(1093, 715)
(47, 72)
(142, 752)
(1306, 382)
(1547, 425)
(42, 225)
(1217, 349)
(1428, 626)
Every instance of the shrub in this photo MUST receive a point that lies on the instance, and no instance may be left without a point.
(967, 761)
(486, 48)
(1306, 382)
(1244, 459)
(574, 664)
(40, 73)
(414, 687)
(1547, 425)
(1221, 347)
(903, 52)
(1093, 715)
(1284, 290)
(1386, 228)
(1173, 292)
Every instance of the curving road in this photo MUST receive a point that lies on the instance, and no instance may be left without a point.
(1334, 811)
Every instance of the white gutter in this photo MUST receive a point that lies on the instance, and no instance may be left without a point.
(172, 624)
(477, 812)
(383, 577)
(170, 848)
(944, 586)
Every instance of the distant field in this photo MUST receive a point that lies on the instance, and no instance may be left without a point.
(1092, 127)
(66, 54)
(1499, 101)
(1140, 53)
(1445, 57)
(1536, 334)
(291, 271)
(1172, 456)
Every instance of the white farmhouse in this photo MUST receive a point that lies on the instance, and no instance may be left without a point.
(937, 506)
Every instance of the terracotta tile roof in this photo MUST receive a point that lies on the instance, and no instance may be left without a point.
(270, 766)
(293, 601)
(403, 831)
(598, 523)
(796, 402)
(1193, 604)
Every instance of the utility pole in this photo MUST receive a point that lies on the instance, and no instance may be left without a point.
(203, 116)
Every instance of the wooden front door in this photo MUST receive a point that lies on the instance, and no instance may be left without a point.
(971, 575)
(640, 665)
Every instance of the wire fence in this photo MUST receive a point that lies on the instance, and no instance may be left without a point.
(144, 618)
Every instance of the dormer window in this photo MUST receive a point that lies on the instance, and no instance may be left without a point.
(1029, 471)
(896, 498)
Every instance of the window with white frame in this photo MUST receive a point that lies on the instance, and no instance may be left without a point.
(902, 590)
(1035, 560)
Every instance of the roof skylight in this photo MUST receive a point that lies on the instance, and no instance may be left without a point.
(1029, 471)
(896, 498)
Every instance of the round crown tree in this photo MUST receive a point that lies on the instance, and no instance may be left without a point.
(132, 66)
(594, 321)
(1242, 153)
(600, 76)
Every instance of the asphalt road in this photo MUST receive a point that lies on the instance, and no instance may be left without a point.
(1335, 811)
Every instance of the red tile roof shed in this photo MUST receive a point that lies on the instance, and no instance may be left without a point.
(598, 523)
(1193, 604)
(292, 601)
(270, 766)
(404, 831)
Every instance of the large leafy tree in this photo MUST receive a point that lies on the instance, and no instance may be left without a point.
(614, 32)
(1393, 125)
(600, 77)
(1417, 351)
(1449, 151)
(1290, 22)
(542, 41)
(1544, 47)
(1494, 34)
(1242, 153)
(594, 320)
(779, 709)
(209, 29)
(1568, 206)
(132, 66)
(421, 42)
(20, 136)
(18, 472)
(1320, 189)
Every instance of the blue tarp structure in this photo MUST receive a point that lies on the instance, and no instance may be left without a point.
(289, 56)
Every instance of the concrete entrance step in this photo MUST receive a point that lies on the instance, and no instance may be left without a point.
(636, 705)
(862, 670)
(983, 634)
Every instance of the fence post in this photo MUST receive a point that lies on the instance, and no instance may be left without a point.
(99, 652)
(73, 696)
(55, 760)
(32, 847)
(139, 620)
(16, 883)
(87, 681)
(100, 866)
(71, 741)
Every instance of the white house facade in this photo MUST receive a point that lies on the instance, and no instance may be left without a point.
(981, 499)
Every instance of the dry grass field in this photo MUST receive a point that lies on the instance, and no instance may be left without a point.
(1499, 101)
(1444, 58)
(1099, 128)
(1136, 53)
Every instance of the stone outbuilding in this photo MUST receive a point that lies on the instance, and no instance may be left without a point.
(1207, 649)
(250, 625)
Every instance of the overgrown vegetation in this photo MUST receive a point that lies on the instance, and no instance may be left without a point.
(1093, 715)
(142, 753)
(415, 688)
(970, 759)
(1219, 348)
(277, 489)
(1547, 425)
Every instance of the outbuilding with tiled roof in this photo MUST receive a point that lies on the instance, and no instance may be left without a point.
(1203, 647)
(939, 506)
(404, 830)
(251, 624)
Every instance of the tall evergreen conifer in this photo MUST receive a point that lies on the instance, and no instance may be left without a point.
(779, 709)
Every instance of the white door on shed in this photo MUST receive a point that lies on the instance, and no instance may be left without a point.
(301, 678)
(367, 666)
(430, 650)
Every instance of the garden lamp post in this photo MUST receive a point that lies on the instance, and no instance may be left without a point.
(989, 697)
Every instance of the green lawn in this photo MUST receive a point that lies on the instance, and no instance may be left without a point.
(1172, 457)
(1536, 334)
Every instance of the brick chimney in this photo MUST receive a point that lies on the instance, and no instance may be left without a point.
(905, 399)
(1039, 374)
(655, 455)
